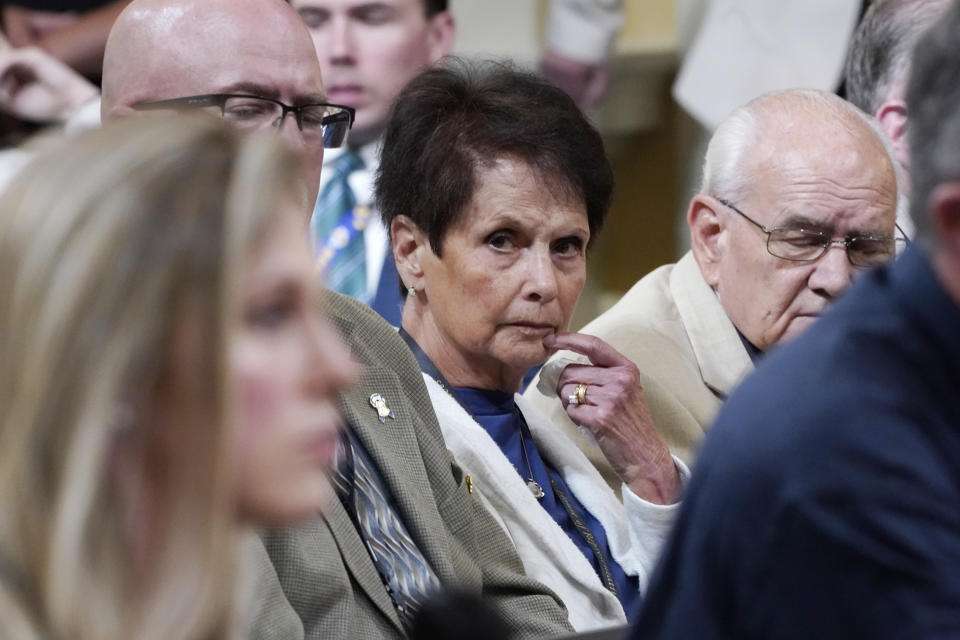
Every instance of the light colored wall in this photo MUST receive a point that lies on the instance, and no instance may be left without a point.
(498, 29)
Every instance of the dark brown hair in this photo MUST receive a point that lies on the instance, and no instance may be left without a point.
(449, 123)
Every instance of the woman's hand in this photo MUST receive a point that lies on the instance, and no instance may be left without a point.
(36, 87)
(615, 412)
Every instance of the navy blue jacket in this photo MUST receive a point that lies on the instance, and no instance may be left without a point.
(826, 499)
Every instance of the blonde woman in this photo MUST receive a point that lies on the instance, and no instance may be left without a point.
(165, 379)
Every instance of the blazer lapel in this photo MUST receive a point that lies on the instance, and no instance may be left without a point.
(393, 444)
(722, 358)
(358, 561)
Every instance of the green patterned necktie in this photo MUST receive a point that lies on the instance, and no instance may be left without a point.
(337, 231)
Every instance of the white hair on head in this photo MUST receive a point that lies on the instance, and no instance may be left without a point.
(725, 152)
(724, 164)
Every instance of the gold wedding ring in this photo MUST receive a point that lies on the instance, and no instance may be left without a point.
(581, 394)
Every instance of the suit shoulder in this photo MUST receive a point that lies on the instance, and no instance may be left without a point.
(645, 324)
(371, 338)
(647, 304)
(347, 313)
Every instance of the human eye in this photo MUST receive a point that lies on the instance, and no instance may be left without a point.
(272, 312)
(248, 109)
(568, 247)
(375, 14)
(801, 238)
(872, 244)
(500, 240)
(314, 17)
(872, 249)
(314, 117)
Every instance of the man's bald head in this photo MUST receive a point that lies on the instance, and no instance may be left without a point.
(160, 49)
(815, 169)
(777, 122)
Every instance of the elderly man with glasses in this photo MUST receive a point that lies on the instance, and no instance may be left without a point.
(799, 196)
(844, 502)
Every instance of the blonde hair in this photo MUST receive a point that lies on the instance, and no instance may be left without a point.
(119, 255)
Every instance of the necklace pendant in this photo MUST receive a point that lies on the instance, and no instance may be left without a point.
(535, 488)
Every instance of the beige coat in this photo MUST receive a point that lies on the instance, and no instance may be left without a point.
(690, 358)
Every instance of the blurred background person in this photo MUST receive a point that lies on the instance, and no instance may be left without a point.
(72, 31)
(578, 43)
(878, 67)
(37, 89)
(167, 379)
(492, 264)
(38, 37)
(368, 51)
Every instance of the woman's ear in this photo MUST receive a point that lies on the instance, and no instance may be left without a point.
(408, 244)
(707, 237)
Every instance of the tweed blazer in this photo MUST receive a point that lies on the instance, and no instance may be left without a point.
(671, 324)
(323, 567)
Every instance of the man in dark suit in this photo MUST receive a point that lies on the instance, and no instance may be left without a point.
(326, 580)
(825, 501)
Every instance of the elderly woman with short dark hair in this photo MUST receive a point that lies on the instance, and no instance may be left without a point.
(493, 185)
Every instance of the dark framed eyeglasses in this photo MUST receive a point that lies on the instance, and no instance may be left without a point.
(807, 245)
(331, 122)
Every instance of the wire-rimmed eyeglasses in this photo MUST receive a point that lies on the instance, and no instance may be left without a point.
(315, 120)
(806, 245)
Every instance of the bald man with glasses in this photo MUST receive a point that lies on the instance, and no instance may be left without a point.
(799, 196)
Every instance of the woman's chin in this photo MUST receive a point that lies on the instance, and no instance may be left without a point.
(523, 356)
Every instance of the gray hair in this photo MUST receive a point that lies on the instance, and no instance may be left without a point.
(933, 101)
(724, 172)
(879, 55)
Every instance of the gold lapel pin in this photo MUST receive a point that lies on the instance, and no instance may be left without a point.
(469, 484)
(383, 411)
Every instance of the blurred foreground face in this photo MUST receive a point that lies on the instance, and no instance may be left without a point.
(369, 50)
(288, 366)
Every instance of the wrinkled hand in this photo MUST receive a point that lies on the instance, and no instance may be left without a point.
(36, 87)
(586, 83)
(616, 414)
